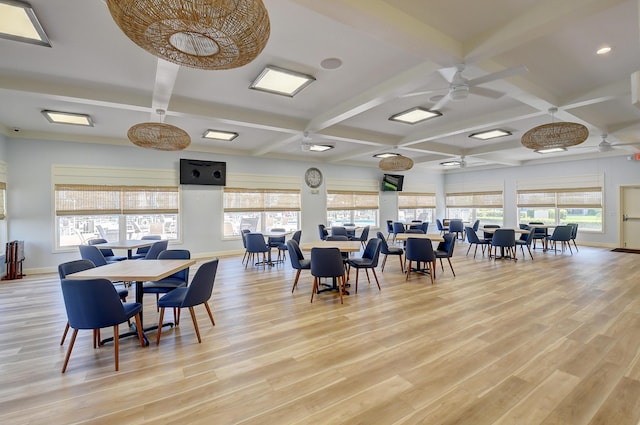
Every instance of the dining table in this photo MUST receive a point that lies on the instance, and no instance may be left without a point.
(137, 271)
(129, 245)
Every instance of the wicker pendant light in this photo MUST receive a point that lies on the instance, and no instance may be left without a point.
(203, 34)
(555, 135)
(396, 163)
(160, 136)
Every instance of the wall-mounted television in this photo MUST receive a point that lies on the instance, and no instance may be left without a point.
(392, 182)
(195, 171)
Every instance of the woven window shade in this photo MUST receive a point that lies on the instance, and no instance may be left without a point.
(347, 200)
(203, 34)
(110, 200)
(590, 197)
(256, 200)
(408, 200)
(474, 200)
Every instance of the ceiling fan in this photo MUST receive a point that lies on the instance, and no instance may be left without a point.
(460, 87)
(607, 146)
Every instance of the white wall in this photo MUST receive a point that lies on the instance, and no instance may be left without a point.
(29, 191)
(617, 171)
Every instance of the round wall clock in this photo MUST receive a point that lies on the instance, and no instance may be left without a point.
(313, 178)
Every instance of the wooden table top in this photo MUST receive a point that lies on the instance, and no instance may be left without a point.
(344, 246)
(493, 229)
(128, 244)
(435, 237)
(134, 270)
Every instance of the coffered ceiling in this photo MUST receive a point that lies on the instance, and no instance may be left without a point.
(394, 54)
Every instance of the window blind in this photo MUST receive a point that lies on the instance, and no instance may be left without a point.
(415, 200)
(351, 200)
(589, 197)
(489, 199)
(240, 200)
(75, 199)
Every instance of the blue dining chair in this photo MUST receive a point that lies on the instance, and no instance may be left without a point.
(505, 239)
(327, 263)
(107, 253)
(177, 280)
(94, 304)
(142, 252)
(368, 261)
(256, 246)
(473, 239)
(445, 250)
(75, 266)
(93, 254)
(421, 251)
(322, 231)
(298, 262)
(561, 234)
(387, 250)
(199, 292)
(156, 249)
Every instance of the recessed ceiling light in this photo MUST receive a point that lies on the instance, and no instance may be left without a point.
(550, 150)
(603, 50)
(452, 163)
(414, 115)
(490, 134)
(386, 155)
(320, 148)
(281, 81)
(18, 22)
(57, 117)
(220, 135)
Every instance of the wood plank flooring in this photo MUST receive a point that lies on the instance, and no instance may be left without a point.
(555, 340)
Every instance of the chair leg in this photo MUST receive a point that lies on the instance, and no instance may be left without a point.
(64, 334)
(344, 283)
(408, 271)
(376, 276)
(195, 323)
(66, 358)
(315, 287)
(431, 270)
(206, 305)
(116, 346)
(357, 274)
(451, 265)
(139, 328)
(160, 326)
(401, 263)
(574, 244)
(384, 261)
(295, 281)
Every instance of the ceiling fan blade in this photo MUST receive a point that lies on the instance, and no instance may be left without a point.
(421, 93)
(498, 75)
(481, 91)
(439, 104)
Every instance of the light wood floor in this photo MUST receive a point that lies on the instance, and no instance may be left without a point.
(550, 341)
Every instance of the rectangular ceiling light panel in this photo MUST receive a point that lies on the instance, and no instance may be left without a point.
(57, 117)
(281, 81)
(18, 22)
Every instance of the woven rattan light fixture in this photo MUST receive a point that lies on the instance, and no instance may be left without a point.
(555, 135)
(203, 34)
(157, 135)
(395, 163)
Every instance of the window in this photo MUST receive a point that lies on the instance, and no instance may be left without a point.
(471, 206)
(357, 207)
(114, 212)
(260, 210)
(416, 206)
(556, 200)
(557, 206)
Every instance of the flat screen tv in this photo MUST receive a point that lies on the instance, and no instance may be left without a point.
(392, 182)
(195, 171)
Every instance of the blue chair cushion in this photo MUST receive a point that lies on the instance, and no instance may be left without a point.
(174, 298)
(164, 285)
